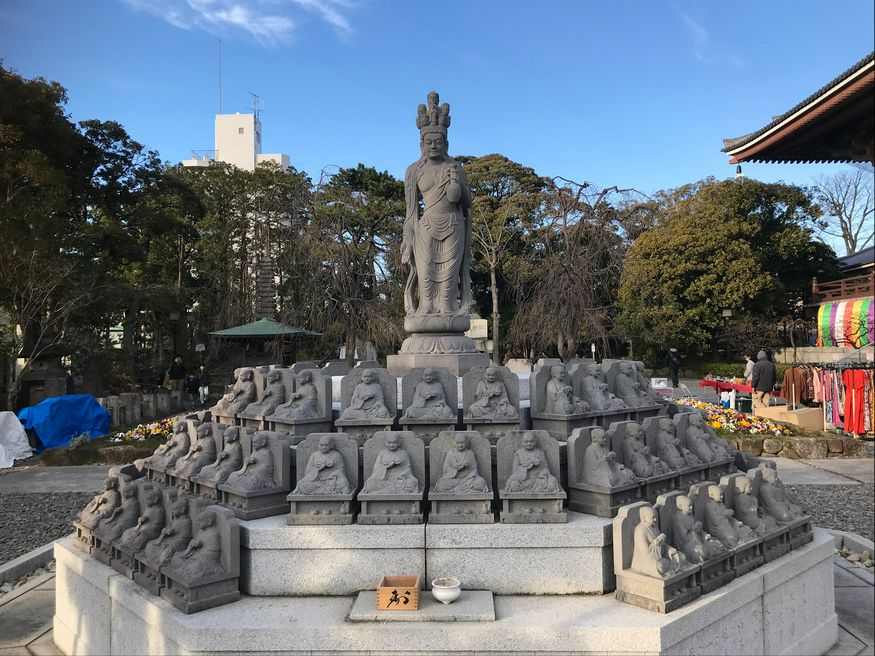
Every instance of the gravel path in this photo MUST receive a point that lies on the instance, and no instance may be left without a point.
(840, 507)
(32, 520)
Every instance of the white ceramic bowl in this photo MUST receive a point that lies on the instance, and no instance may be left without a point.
(446, 590)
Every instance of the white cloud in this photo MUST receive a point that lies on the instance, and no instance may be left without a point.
(269, 22)
(703, 45)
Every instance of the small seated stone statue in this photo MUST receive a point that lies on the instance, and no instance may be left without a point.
(720, 522)
(201, 454)
(669, 449)
(227, 398)
(393, 472)
(176, 447)
(101, 506)
(303, 403)
(651, 554)
(600, 466)
(746, 509)
(697, 440)
(367, 400)
(173, 537)
(149, 524)
(273, 396)
(325, 473)
(595, 392)
(689, 534)
(491, 400)
(429, 399)
(230, 459)
(122, 518)
(560, 395)
(649, 394)
(244, 392)
(257, 471)
(530, 470)
(203, 555)
(638, 457)
(626, 384)
(774, 501)
(460, 473)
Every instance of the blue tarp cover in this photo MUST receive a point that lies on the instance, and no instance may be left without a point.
(59, 419)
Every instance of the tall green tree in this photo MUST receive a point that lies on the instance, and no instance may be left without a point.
(508, 200)
(738, 245)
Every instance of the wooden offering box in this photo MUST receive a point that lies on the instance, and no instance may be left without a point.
(398, 593)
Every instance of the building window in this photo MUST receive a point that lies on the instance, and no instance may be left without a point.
(239, 130)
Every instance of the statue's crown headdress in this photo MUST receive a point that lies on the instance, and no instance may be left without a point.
(433, 118)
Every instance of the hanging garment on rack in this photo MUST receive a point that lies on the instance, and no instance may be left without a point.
(793, 385)
(856, 400)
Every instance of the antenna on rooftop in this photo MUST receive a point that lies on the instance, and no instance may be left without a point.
(256, 104)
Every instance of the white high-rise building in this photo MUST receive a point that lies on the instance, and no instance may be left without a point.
(238, 142)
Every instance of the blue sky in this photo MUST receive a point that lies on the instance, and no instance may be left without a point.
(635, 94)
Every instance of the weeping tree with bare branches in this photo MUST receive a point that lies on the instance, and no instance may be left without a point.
(353, 245)
(567, 291)
(848, 208)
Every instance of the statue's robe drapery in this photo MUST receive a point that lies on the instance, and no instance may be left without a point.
(122, 519)
(302, 405)
(199, 456)
(256, 474)
(460, 473)
(204, 557)
(429, 401)
(367, 402)
(560, 399)
(600, 471)
(99, 508)
(148, 529)
(697, 442)
(531, 473)
(221, 468)
(774, 502)
(172, 538)
(746, 509)
(648, 556)
(324, 474)
(393, 472)
(690, 540)
(273, 397)
(491, 402)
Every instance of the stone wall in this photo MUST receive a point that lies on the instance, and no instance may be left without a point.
(799, 448)
(133, 408)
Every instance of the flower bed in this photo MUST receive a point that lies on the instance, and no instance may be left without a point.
(724, 419)
(161, 430)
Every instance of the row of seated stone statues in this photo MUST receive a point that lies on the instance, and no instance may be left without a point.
(174, 545)
(458, 487)
(299, 401)
(690, 543)
(631, 460)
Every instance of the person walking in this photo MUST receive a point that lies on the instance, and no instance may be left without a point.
(192, 388)
(763, 378)
(176, 374)
(203, 384)
(673, 360)
(748, 369)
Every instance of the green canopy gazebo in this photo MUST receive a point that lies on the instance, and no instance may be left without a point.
(264, 330)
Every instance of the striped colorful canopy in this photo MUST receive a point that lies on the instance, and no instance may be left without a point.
(846, 323)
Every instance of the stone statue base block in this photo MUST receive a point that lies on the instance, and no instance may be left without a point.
(148, 574)
(298, 429)
(258, 423)
(471, 606)
(656, 485)
(602, 501)
(800, 532)
(690, 475)
(526, 508)
(640, 414)
(768, 611)
(776, 543)
(361, 431)
(718, 468)
(560, 428)
(158, 476)
(458, 363)
(83, 538)
(493, 431)
(320, 509)
(225, 419)
(123, 561)
(195, 597)
(467, 508)
(608, 417)
(102, 549)
(254, 505)
(661, 595)
(390, 508)
(427, 431)
(747, 556)
(715, 573)
(207, 490)
(288, 560)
